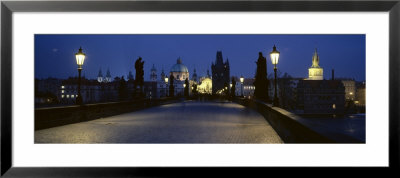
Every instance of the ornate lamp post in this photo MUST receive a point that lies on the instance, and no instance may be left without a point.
(274, 59)
(241, 82)
(80, 58)
(166, 85)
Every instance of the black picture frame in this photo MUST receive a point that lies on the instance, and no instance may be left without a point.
(8, 7)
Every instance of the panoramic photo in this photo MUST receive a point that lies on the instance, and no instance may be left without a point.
(199, 88)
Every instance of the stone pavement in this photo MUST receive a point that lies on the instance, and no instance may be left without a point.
(185, 122)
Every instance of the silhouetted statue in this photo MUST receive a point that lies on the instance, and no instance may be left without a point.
(261, 80)
(122, 89)
(233, 88)
(186, 90)
(171, 86)
(226, 90)
(139, 80)
(194, 90)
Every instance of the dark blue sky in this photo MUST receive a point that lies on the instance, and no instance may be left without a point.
(55, 54)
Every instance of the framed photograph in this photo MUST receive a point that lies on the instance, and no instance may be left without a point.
(103, 88)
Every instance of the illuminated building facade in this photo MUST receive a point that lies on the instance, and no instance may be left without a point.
(321, 96)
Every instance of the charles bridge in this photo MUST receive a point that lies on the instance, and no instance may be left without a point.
(174, 120)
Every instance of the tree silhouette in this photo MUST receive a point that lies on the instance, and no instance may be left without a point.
(261, 81)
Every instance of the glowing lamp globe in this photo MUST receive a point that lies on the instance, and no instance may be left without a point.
(80, 58)
(241, 79)
(274, 56)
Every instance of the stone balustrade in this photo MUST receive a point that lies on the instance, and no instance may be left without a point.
(58, 116)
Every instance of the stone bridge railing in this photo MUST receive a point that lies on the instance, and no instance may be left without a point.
(291, 127)
(58, 116)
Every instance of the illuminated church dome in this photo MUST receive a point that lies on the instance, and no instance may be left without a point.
(179, 67)
(179, 71)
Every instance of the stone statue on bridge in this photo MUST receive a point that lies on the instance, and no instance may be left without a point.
(139, 80)
(261, 80)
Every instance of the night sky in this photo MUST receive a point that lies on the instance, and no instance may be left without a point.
(55, 54)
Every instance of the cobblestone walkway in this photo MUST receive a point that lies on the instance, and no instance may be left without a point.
(185, 122)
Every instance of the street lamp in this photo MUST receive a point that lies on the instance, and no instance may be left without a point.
(80, 58)
(241, 82)
(274, 59)
(166, 85)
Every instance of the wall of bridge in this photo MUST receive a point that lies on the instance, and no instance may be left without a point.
(291, 127)
(58, 116)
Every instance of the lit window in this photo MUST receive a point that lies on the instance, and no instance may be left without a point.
(67, 96)
(62, 91)
(72, 96)
(62, 96)
(62, 87)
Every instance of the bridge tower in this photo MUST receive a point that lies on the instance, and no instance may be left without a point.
(220, 73)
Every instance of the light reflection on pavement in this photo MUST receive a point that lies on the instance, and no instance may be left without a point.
(185, 122)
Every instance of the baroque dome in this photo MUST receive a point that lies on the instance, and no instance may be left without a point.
(179, 67)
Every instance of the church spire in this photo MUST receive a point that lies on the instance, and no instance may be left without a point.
(108, 76)
(153, 73)
(162, 74)
(194, 77)
(315, 59)
(100, 74)
(315, 72)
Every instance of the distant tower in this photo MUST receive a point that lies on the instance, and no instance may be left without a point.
(130, 76)
(108, 76)
(162, 74)
(153, 74)
(208, 74)
(194, 76)
(315, 72)
(100, 77)
(220, 73)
